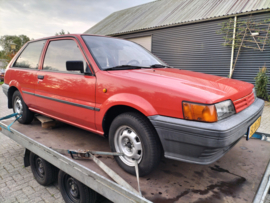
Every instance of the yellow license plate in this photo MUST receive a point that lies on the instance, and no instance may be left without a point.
(254, 127)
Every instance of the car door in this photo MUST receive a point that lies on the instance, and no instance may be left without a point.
(24, 71)
(66, 95)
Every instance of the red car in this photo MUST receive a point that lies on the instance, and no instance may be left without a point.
(119, 90)
(2, 75)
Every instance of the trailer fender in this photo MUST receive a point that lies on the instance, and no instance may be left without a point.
(26, 158)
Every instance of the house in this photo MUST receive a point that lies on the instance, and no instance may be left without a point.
(229, 38)
(3, 64)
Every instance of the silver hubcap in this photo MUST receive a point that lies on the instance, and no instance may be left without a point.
(18, 107)
(128, 142)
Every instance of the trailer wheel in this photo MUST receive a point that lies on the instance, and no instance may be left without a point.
(20, 107)
(43, 171)
(132, 134)
(74, 191)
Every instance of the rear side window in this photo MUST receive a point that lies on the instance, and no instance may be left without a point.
(59, 52)
(29, 58)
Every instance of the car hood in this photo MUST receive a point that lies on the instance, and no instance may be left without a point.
(197, 87)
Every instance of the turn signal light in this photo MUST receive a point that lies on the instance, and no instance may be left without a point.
(199, 112)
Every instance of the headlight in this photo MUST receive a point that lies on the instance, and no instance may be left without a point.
(224, 109)
(208, 113)
(199, 112)
(254, 92)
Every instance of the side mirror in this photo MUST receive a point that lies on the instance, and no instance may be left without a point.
(75, 65)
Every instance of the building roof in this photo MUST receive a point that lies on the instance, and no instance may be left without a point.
(166, 13)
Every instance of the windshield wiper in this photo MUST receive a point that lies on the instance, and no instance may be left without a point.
(159, 66)
(124, 67)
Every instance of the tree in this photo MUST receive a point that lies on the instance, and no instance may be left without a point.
(261, 81)
(62, 32)
(2, 54)
(7, 40)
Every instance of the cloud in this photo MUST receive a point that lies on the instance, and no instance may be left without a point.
(38, 19)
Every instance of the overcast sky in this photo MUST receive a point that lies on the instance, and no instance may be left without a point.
(42, 18)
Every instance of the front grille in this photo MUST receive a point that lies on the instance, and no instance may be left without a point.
(244, 102)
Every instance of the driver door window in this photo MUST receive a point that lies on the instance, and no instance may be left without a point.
(59, 52)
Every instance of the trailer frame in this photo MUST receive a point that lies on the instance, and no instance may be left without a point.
(93, 180)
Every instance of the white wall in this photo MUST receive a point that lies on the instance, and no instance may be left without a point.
(144, 41)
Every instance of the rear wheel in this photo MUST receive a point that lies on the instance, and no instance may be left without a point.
(132, 134)
(43, 171)
(20, 107)
(74, 191)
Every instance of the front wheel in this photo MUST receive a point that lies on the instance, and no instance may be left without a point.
(132, 134)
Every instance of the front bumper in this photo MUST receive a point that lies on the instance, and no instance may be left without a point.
(204, 143)
(5, 88)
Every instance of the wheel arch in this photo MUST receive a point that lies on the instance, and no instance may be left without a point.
(11, 91)
(121, 103)
(112, 113)
(13, 86)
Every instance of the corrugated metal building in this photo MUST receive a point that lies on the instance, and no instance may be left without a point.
(183, 33)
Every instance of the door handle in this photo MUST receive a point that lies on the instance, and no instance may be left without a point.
(41, 77)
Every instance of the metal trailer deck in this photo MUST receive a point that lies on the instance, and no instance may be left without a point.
(234, 178)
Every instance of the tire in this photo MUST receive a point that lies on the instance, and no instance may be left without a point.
(130, 128)
(74, 191)
(20, 107)
(44, 173)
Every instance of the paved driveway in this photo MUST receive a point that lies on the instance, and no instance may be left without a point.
(265, 125)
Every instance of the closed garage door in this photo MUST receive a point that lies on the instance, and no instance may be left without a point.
(144, 41)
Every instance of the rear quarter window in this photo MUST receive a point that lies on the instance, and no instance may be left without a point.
(29, 58)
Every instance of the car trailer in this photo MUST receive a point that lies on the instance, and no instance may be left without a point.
(240, 176)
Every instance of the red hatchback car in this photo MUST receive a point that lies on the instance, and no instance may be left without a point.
(119, 90)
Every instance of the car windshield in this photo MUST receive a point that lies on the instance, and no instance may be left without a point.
(112, 52)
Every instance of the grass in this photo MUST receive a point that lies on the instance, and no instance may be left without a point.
(1, 83)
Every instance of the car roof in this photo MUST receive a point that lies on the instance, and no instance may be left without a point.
(68, 35)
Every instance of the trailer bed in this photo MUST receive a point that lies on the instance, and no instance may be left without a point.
(233, 178)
